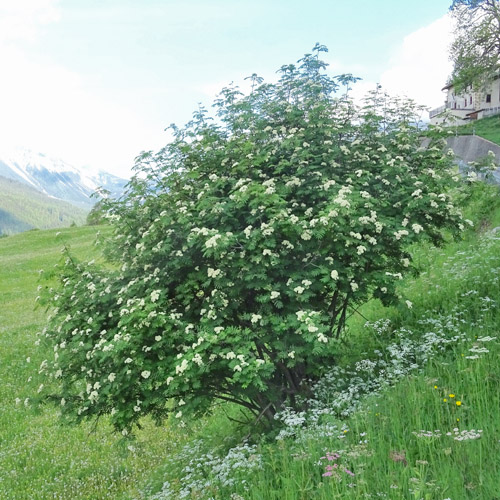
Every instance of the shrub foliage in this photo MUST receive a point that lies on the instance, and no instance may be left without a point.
(241, 248)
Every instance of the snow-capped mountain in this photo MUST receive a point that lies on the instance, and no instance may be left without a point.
(57, 178)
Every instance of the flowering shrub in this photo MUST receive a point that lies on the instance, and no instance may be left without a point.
(240, 249)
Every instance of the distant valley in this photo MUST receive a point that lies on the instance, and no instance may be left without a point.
(37, 191)
(23, 208)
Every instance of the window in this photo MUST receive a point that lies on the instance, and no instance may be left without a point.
(488, 97)
(470, 100)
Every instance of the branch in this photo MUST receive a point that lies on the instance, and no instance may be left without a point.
(342, 317)
(252, 407)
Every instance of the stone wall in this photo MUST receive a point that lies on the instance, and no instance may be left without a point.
(472, 148)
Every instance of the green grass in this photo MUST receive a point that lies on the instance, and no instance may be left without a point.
(488, 128)
(39, 458)
(458, 293)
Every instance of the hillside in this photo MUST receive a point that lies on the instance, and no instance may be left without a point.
(40, 459)
(23, 207)
(488, 128)
(411, 410)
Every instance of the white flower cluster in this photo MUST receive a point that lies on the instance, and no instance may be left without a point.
(458, 435)
(465, 435)
(209, 471)
(342, 390)
(428, 434)
(212, 242)
(213, 273)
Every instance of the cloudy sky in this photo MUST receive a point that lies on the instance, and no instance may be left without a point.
(95, 82)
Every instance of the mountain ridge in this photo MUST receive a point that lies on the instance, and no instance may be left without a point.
(58, 179)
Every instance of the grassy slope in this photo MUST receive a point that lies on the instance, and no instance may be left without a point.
(489, 128)
(394, 462)
(458, 292)
(22, 208)
(39, 459)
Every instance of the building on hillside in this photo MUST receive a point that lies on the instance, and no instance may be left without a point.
(469, 105)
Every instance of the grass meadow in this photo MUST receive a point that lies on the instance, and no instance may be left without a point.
(39, 459)
(411, 410)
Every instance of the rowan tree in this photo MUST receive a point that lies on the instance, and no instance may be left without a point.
(241, 248)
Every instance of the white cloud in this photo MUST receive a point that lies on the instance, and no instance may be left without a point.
(50, 109)
(20, 19)
(420, 67)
